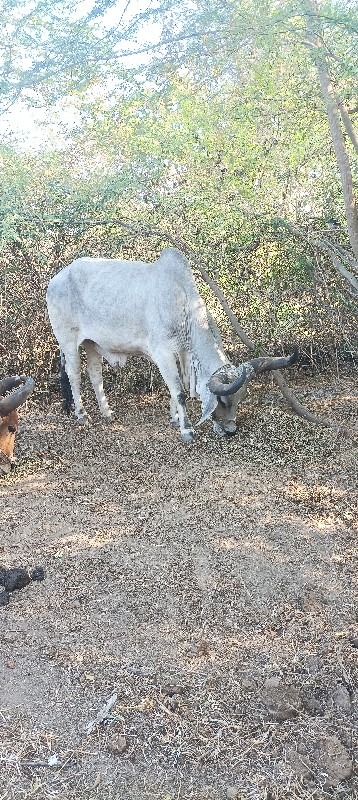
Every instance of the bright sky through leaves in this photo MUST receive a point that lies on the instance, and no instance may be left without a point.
(33, 127)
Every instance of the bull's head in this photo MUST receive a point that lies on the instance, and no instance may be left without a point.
(9, 419)
(228, 386)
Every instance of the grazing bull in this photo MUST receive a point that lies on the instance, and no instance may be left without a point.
(9, 418)
(119, 308)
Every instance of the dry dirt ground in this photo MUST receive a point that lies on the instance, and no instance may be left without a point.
(213, 587)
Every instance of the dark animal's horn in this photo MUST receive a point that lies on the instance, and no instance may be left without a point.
(219, 386)
(9, 383)
(265, 364)
(17, 398)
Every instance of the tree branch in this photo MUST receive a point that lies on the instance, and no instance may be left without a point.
(345, 273)
(347, 123)
(328, 247)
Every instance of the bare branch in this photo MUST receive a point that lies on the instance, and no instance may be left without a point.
(347, 123)
(328, 247)
(345, 273)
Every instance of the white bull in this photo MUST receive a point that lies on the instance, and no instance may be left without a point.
(115, 309)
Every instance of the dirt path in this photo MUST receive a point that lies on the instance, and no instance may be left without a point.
(213, 587)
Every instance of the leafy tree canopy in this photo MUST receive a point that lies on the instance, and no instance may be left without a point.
(218, 130)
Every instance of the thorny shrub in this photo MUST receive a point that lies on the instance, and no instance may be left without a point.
(277, 301)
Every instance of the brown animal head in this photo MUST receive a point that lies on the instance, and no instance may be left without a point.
(9, 418)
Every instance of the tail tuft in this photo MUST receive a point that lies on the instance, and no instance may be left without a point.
(66, 390)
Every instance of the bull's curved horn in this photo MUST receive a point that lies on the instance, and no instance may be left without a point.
(224, 382)
(267, 363)
(229, 379)
(17, 398)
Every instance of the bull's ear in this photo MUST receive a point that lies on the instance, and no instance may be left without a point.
(209, 402)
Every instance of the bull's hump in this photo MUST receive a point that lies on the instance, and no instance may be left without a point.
(170, 258)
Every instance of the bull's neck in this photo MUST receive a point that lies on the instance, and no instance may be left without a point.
(208, 351)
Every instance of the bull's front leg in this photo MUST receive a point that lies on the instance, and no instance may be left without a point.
(167, 366)
(174, 416)
(181, 419)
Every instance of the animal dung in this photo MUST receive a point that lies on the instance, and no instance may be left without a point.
(15, 578)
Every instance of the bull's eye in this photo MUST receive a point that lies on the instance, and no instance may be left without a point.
(221, 402)
(11, 428)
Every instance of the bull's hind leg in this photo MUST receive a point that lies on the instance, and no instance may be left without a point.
(94, 367)
(174, 416)
(167, 365)
(73, 369)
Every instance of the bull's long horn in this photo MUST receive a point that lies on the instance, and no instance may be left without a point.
(17, 398)
(265, 364)
(218, 385)
(224, 382)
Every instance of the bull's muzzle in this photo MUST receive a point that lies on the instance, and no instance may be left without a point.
(228, 430)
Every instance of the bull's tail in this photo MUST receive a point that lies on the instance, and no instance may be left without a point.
(66, 391)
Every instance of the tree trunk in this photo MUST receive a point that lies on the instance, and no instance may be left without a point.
(334, 120)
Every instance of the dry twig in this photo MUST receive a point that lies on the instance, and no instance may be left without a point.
(102, 714)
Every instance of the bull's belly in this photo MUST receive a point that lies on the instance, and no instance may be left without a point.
(117, 358)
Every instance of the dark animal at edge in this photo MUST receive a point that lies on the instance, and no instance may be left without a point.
(9, 418)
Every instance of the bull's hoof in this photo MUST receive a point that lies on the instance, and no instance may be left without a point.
(218, 430)
(188, 436)
(83, 420)
(108, 417)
